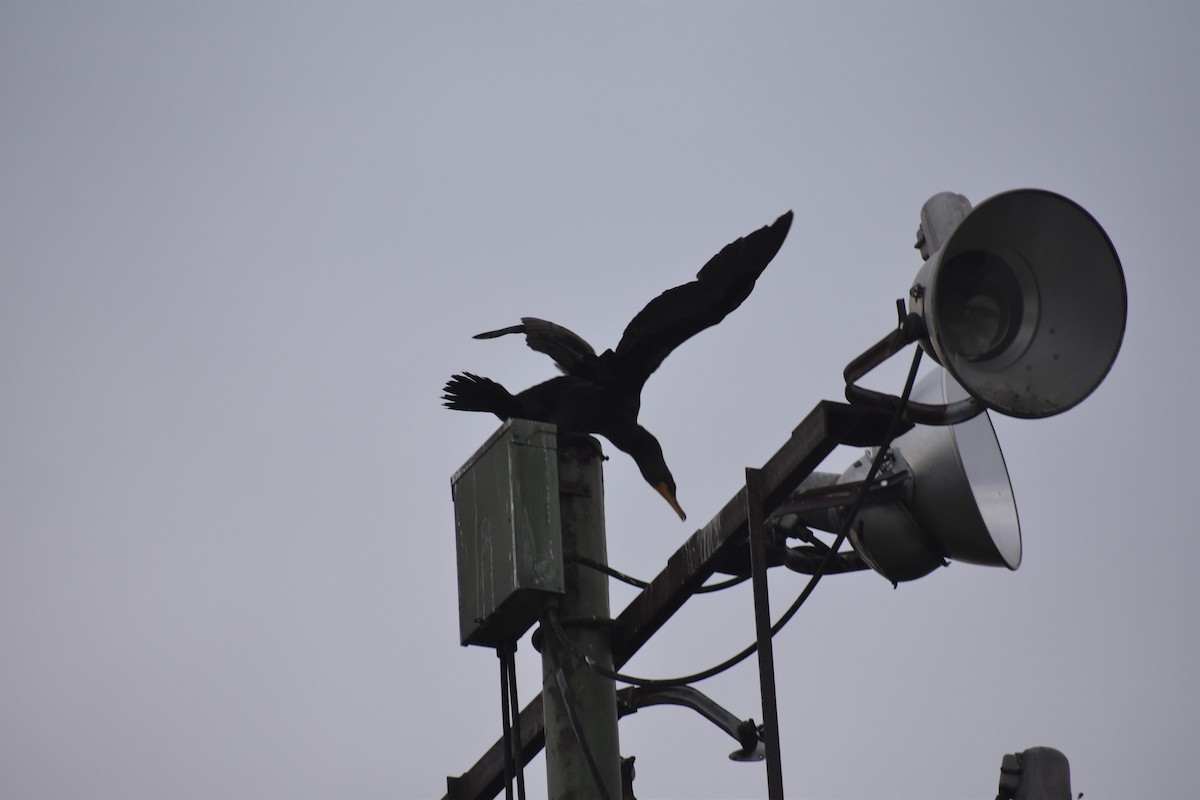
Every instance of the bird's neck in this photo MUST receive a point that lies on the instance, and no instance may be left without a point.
(633, 439)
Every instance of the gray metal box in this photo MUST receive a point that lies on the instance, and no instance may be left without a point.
(508, 532)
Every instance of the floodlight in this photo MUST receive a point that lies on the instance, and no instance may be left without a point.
(958, 503)
(1021, 298)
(943, 494)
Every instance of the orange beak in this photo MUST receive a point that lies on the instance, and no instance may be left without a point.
(665, 491)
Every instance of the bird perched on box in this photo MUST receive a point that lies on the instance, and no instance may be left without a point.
(601, 394)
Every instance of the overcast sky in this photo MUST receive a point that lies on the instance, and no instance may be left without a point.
(243, 245)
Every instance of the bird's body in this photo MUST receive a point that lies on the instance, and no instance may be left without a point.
(571, 403)
(601, 394)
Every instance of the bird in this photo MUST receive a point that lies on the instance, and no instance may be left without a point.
(601, 394)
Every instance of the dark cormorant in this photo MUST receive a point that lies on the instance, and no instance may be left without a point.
(602, 393)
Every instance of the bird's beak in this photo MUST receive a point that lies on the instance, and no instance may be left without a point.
(669, 496)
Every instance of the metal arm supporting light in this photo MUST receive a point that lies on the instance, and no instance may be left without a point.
(744, 732)
(911, 329)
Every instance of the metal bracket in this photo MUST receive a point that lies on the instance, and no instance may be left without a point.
(910, 329)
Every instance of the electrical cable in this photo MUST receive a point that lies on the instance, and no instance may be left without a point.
(511, 737)
(591, 563)
(516, 721)
(506, 715)
(725, 584)
(814, 579)
(656, 683)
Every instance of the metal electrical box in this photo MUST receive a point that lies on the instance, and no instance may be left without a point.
(508, 532)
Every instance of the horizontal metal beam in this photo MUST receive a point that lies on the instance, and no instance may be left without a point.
(718, 545)
(486, 778)
(721, 544)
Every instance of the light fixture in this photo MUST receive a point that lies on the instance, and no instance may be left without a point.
(958, 503)
(1021, 298)
(942, 495)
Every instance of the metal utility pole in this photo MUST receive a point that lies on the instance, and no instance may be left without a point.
(582, 747)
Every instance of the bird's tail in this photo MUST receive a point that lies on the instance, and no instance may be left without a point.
(467, 392)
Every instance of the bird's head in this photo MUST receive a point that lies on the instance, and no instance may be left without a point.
(647, 452)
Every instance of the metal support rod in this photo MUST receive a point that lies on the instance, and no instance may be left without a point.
(592, 735)
(911, 329)
(755, 518)
(743, 731)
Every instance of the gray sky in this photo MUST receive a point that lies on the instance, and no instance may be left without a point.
(242, 246)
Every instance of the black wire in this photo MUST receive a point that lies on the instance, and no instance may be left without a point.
(506, 715)
(725, 584)
(813, 580)
(590, 563)
(561, 635)
(877, 461)
(516, 721)
(569, 705)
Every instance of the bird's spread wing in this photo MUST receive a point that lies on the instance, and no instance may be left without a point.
(567, 348)
(680, 313)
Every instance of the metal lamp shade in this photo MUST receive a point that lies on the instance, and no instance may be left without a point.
(1025, 303)
(961, 505)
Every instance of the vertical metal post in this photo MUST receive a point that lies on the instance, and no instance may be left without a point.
(584, 611)
(762, 623)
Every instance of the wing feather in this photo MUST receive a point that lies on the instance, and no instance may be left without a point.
(680, 313)
(568, 349)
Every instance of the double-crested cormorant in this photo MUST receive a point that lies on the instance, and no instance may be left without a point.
(602, 393)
